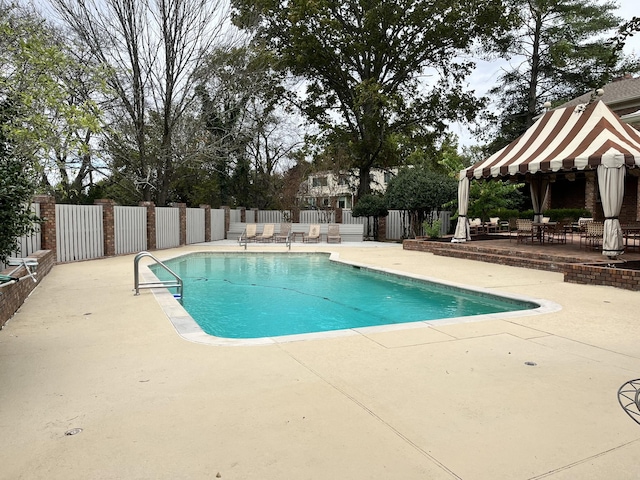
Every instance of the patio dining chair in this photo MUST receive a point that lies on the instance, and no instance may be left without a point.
(558, 232)
(492, 225)
(475, 226)
(524, 230)
(595, 231)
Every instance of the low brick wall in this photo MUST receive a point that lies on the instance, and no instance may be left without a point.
(602, 275)
(573, 269)
(13, 296)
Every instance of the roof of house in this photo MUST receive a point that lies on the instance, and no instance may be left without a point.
(576, 137)
(616, 95)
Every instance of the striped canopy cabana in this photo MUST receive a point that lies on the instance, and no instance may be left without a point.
(583, 137)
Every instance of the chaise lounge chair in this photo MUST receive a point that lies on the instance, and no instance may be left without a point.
(313, 235)
(285, 233)
(267, 233)
(333, 234)
(249, 234)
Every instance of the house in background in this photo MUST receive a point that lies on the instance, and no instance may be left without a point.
(580, 189)
(622, 96)
(333, 190)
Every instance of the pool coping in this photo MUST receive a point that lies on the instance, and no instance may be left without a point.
(186, 327)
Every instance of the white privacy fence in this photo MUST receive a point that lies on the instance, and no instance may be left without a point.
(217, 224)
(274, 216)
(79, 234)
(195, 225)
(317, 216)
(235, 216)
(130, 229)
(167, 227)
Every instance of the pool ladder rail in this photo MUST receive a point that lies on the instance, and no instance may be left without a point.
(175, 283)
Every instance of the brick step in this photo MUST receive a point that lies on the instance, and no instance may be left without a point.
(552, 265)
(517, 253)
(476, 248)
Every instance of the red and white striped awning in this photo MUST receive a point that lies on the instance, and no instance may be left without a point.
(566, 139)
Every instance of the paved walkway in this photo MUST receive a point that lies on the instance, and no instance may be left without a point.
(448, 402)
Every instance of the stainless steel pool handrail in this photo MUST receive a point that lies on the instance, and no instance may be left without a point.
(177, 283)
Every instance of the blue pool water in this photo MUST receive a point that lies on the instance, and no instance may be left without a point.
(266, 295)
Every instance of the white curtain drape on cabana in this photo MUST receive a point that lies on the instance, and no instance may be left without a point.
(572, 139)
(539, 187)
(611, 173)
(462, 233)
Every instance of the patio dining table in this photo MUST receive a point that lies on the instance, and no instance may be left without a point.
(540, 229)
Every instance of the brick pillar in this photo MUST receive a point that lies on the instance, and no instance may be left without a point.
(295, 215)
(108, 225)
(338, 212)
(243, 214)
(151, 224)
(382, 229)
(48, 224)
(207, 222)
(590, 193)
(227, 219)
(638, 202)
(183, 221)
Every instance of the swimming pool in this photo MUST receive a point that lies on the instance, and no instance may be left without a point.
(249, 296)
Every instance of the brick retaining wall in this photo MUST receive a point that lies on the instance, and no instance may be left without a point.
(574, 270)
(596, 275)
(13, 296)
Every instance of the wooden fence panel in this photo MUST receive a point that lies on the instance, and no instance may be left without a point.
(130, 224)
(79, 233)
(167, 227)
(217, 224)
(195, 225)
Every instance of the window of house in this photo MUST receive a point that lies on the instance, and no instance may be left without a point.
(319, 181)
(387, 177)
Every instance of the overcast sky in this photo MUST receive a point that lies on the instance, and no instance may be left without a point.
(486, 73)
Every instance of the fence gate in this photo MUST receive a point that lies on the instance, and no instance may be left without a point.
(79, 234)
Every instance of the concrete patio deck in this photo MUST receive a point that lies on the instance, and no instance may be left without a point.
(447, 402)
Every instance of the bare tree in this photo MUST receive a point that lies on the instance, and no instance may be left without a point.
(150, 50)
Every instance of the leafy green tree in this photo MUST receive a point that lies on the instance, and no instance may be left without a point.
(32, 108)
(371, 206)
(364, 65)
(419, 192)
(17, 185)
(560, 51)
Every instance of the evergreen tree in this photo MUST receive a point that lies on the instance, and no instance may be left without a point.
(559, 51)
